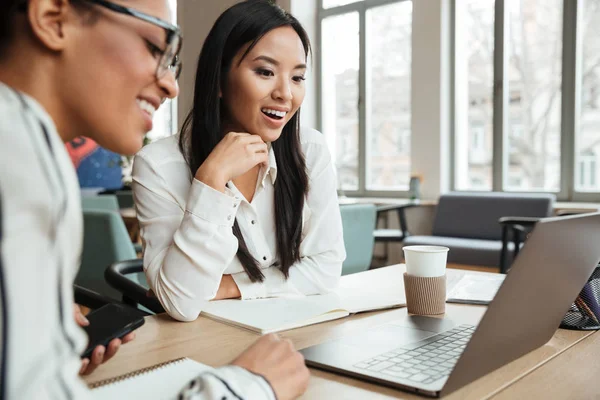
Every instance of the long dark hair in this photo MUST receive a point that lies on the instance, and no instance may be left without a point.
(247, 22)
(7, 11)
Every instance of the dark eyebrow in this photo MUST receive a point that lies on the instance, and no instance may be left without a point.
(276, 63)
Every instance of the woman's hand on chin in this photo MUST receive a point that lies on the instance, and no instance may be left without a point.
(235, 155)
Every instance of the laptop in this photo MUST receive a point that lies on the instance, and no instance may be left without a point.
(436, 356)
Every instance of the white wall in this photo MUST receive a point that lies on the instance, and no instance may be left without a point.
(195, 17)
(306, 12)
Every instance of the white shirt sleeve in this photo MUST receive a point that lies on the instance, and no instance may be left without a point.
(228, 382)
(185, 250)
(189, 243)
(322, 249)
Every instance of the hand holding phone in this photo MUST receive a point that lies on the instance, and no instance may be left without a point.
(112, 321)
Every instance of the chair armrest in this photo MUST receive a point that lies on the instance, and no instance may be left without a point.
(399, 208)
(526, 221)
(115, 275)
(395, 207)
(89, 298)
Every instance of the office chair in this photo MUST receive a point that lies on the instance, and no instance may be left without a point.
(123, 276)
(358, 221)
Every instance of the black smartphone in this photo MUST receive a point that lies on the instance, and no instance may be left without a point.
(112, 321)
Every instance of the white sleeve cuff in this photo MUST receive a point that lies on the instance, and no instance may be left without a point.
(247, 384)
(212, 205)
(273, 285)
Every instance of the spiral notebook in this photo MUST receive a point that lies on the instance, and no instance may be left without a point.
(160, 381)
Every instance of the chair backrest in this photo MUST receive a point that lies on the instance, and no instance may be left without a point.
(125, 198)
(103, 202)
(105, 241)
(358, 221)
(475, 215)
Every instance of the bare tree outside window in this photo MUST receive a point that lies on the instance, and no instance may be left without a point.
(389, 35)
(534, 46)
(535, 78)
(474, 78)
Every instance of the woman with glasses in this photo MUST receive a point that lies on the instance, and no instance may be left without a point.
(243, 203)
(99, 68)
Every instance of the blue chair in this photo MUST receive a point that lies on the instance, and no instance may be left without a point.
(105, 241)
(104, 202)
(358, 221)
(109, 202)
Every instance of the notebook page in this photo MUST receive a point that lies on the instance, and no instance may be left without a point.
(276, 314)
(159, 384)
(375, 289)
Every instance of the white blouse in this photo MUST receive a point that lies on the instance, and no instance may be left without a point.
(40, 248)
(186, 227)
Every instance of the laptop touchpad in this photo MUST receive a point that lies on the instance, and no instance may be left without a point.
(385, 338)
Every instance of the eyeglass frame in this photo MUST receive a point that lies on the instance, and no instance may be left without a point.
(172, 31)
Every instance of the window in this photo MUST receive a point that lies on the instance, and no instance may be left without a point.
(477, 140)
(587, 172)
(474, 93)
(365, 92)
(339, 94)
(587, 141)
(388, 95)
(534, 46)
(335, 3)
(526, 98)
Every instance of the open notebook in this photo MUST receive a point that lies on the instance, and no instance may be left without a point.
(161, 381)
(366, 291)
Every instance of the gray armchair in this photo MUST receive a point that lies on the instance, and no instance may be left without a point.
(468, 223)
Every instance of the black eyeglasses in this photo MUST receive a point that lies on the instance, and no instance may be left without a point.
(169, 57)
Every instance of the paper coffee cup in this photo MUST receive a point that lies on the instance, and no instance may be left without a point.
(425, 261)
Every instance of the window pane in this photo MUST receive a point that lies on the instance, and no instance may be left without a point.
(335, 3)
(389, 31)
(339, 94)
(587, 141)
(474, 78)
(534, 73)
(162, 121)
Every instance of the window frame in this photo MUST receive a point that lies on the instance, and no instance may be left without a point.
(572, 43)
(361, 7)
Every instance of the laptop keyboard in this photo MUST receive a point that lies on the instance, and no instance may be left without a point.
(425, 361)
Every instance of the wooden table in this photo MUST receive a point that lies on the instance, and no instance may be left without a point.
(216, 344)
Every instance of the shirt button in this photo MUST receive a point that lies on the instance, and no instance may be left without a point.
(265, 258)
(235, 205)
(229, 218)
(253, 222)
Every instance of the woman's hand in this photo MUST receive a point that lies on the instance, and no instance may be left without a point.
(236, 154)
(100, 355)
(228, 289)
